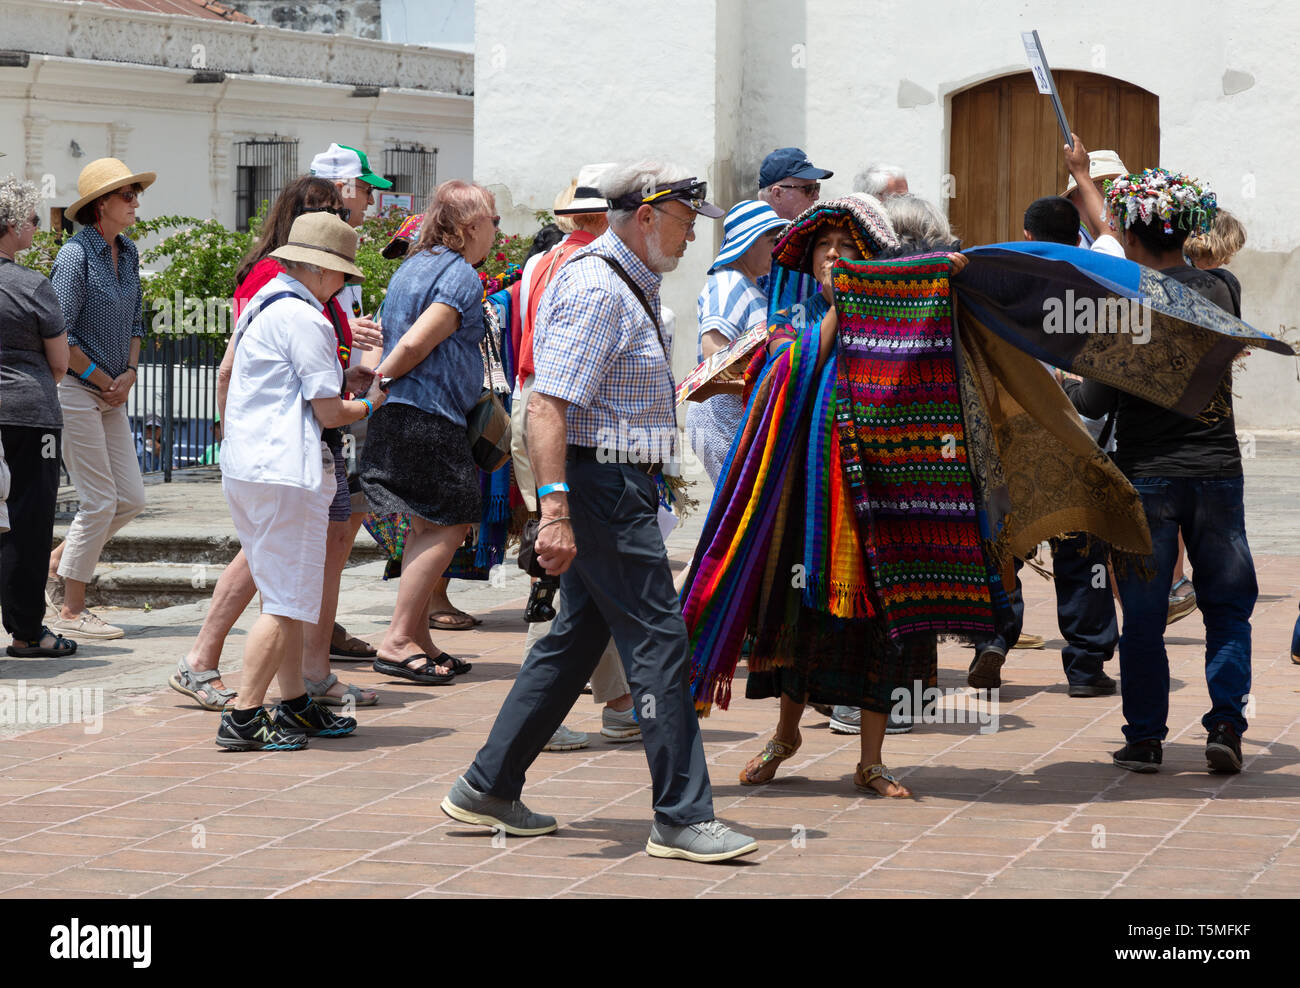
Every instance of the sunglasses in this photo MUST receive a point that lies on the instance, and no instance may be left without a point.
(128, 196)
(496, 222)
(690, 225)
(342, 212)
(811, 189)
(35, 221)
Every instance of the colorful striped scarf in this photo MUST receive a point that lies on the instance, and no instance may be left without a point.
(902, 441)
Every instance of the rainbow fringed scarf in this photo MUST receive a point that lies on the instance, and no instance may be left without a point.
(731, 558)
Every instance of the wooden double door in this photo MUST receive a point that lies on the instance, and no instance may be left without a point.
(1005, 149)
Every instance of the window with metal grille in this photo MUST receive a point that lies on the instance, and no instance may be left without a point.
(263, 168)
(412, 170)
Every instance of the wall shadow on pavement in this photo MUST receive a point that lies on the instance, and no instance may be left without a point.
(13, 670)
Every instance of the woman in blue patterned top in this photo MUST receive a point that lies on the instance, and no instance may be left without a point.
(96, 276)
(416, 460)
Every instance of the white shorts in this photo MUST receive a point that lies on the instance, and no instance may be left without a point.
(282, 530)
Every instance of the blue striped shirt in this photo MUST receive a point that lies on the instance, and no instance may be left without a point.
(730, 304)
(102, 308)
(596, 348)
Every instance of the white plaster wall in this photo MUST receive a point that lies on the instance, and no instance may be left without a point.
(568, 82)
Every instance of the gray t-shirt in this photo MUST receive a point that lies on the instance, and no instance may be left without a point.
(29, 315)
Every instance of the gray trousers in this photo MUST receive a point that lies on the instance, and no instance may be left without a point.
(620, 583)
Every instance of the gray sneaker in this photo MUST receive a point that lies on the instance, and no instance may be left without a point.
(468, 805)
(709, 841)
(566, 740)
(848, 720)
(619, 725)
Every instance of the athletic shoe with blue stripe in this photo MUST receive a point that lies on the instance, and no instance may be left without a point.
(315, 721)
(260, 734)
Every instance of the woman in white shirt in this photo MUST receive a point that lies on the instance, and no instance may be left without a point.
(278, 476)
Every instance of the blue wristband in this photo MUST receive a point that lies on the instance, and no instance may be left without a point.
(552, 488)
(370, 409)
(89, 370)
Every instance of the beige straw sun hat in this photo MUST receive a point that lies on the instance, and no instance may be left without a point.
(324, 240)
(104, 175)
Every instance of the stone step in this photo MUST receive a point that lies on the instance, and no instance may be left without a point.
(152, 585)
(189, 550)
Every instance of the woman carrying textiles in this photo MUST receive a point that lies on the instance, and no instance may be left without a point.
(798, 653)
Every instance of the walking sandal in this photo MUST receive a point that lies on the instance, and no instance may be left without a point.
(863, 780)
(756, 771)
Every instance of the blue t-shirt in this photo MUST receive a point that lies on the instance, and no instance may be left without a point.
(450, 379)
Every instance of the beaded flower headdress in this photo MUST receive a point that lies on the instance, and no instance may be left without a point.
(1158, 193)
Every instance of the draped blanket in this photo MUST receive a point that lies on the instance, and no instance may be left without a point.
(931, 448)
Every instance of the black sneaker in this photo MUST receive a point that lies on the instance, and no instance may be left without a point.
(1223, 749)
(1139, 756)
(986, 671)
(1101, 685)
(260, 734)
(315, 721)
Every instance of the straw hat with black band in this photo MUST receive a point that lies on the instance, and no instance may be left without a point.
(324, 240)
(105, 175)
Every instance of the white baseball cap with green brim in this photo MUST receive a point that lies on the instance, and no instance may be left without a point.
(339, 161)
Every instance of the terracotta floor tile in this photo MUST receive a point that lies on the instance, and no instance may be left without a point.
(88, 880)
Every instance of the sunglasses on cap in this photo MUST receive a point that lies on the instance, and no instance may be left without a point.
(689, 191)
(342, 212)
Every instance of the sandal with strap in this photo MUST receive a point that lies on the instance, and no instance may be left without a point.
(773, 753)
(427, 673)
(862, 781)
(318, 690)
(198, 686)
(39, 650)
(346, 646)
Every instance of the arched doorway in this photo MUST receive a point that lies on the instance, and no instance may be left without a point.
(1005, 148)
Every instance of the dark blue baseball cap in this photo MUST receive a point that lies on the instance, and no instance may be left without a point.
(788, 163)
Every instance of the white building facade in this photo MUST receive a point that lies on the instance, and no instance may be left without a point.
(717, 84)
(224, 112)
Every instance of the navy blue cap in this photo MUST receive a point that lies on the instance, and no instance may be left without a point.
(788, 163)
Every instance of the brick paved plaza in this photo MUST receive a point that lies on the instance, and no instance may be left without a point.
(151, 807)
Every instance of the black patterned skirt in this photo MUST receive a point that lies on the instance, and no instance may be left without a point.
(417, 463)
(842, 663)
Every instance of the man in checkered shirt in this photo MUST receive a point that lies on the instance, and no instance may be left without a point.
(601, 422)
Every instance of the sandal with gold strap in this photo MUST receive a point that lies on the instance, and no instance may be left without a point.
(773, 753)
(863, 780)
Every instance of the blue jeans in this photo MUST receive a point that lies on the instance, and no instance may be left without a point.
(1210, 513)
(1295, 638)
(1085, 609)
(1008, 621)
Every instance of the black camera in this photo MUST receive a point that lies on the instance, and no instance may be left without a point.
(540, 606)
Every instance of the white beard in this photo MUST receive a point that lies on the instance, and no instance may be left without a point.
(656, 259)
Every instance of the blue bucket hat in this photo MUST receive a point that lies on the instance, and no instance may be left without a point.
(746, 221)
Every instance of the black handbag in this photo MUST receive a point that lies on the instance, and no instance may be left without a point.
(488, 422)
